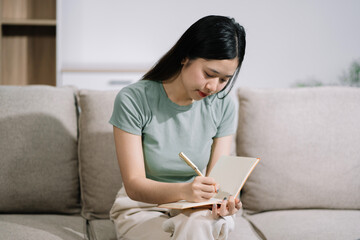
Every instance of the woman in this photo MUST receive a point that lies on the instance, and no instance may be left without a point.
(180, 105)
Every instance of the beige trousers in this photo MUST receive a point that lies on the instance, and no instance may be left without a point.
(137, 220)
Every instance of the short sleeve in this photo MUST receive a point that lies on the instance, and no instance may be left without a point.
(128, 111)
(227, 124)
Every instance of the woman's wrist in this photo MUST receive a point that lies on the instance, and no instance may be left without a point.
(182, 191)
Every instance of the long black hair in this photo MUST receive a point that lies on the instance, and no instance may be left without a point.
(212, 38)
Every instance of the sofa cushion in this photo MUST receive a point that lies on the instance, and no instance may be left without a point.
(38, 146)
(42, 227)
(99, 171)
(243, 229)
(308, 224)
(102, 229)
(308, 142)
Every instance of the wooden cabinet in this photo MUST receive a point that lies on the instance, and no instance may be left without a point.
(28, 42)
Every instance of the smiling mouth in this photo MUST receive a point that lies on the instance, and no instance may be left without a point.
(202, 94)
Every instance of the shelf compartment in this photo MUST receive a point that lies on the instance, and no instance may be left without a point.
(28, 9)
(28, 55)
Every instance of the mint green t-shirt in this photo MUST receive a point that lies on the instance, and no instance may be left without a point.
(167, 129)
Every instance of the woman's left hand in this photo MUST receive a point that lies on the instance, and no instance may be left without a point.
(228, 207)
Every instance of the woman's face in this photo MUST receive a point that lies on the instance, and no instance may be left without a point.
(201, 77)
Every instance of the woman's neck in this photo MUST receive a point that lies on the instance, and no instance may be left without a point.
(176, 92)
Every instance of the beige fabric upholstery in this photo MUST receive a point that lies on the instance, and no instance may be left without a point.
(99, 171)
(42, 227)
(308, 142)
(308, 224)
(38, 148)
(102, 229)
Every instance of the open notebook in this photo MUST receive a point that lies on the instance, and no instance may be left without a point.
(231, 172)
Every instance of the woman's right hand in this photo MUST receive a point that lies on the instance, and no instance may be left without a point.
(200, 190)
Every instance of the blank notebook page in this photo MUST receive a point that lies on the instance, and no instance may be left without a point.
(231, 173)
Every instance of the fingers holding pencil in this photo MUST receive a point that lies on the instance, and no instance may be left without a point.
(207, 184)
(201, 189)
(196, 169)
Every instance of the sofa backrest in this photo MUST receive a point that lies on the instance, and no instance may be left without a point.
(100, 177)
(308, 140)
(38, 150)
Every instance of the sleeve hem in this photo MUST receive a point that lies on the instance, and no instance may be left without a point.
(224, 134)
(126, 129)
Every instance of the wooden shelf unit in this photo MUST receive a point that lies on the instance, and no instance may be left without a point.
(28, 42)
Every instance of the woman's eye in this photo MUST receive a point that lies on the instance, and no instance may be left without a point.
(208, 75)
(222, 80)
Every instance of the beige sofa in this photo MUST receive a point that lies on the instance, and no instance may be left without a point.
(59, 174)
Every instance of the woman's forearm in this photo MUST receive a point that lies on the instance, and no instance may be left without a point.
(150, 191)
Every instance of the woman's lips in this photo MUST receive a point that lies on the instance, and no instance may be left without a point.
(202, 94)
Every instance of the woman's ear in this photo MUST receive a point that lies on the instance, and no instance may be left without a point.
(185, 61)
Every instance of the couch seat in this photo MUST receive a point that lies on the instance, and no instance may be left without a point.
(42, 227)
(308, 224)
(102, 229)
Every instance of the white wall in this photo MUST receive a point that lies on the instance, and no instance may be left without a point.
(287, 41)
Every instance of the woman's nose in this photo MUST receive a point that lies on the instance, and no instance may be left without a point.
(211, 86)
